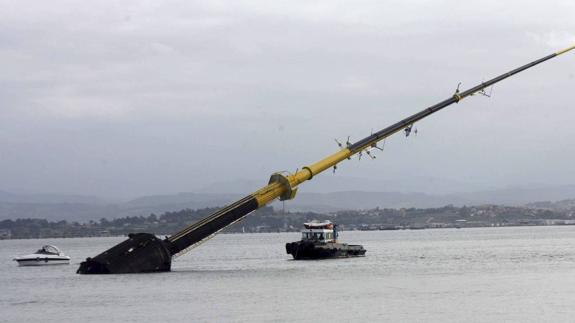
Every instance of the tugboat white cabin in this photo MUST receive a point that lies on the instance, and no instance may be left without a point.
(319, 231)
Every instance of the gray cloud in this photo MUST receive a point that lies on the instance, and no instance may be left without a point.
(128, 98)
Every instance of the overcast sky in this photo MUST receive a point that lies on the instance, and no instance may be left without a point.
(125, 98)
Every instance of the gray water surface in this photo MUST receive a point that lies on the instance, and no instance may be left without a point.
(524, 274)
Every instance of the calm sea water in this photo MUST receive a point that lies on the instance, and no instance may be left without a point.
(469, 275)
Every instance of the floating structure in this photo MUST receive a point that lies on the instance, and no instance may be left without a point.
(319, 241)
(144, 252)
(47, 255)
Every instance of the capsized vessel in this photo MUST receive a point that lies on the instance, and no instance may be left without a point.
(319, 241)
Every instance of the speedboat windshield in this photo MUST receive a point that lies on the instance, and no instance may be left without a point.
(49, 250)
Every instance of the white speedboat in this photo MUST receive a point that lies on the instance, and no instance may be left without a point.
(47, 255)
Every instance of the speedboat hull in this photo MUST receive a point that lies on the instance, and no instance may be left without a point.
(42, 260)
(47, 255)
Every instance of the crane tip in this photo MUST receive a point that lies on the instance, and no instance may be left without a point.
(565, 50)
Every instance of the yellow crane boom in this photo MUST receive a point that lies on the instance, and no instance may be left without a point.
(143, 252)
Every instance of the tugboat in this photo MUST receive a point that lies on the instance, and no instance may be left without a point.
(319, 241)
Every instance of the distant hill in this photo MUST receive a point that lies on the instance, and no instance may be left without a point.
(568, 204)
(49, 198)
(328, 202)
(89, 209)
(82, 208)
(328, 182)
(520, 196)
(198, 200)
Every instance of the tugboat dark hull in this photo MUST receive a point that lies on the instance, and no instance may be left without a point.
(317, 250)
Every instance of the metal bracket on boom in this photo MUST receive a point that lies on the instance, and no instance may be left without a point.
(290, 191)
(407, 130)
(374, 145)
(456, 95)
(347, 145)
(340, 145)
(483, 92)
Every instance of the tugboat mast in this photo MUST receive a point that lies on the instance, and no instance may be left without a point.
(144, 252)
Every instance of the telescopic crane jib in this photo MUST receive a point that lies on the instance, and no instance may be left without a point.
(144, 252)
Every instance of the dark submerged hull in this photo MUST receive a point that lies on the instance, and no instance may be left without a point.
(141, 253)
(318, 250)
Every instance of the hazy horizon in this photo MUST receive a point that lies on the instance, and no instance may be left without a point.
(130, 99)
